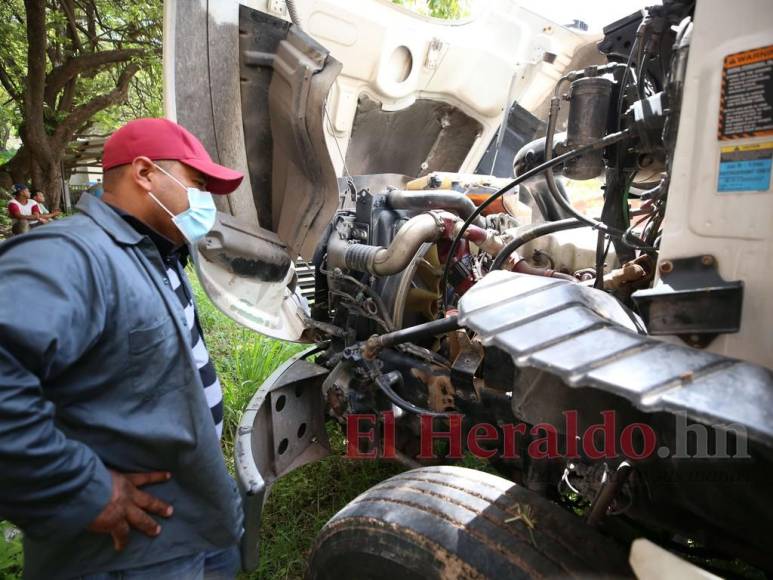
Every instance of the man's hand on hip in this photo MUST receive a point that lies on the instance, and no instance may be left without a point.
(129, 507)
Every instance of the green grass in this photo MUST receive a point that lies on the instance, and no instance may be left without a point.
(10, 552)
(299, 504)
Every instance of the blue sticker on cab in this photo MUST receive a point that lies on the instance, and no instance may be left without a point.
(745, 167)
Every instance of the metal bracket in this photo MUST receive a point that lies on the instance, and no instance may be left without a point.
(692, 301)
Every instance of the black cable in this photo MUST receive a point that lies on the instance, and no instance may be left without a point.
(641, 58)
(653, 235)
(537, 231)
(623, 81)
(606, 249)
(600, 144)
(601, 256)
(385, 384)
(635, 242)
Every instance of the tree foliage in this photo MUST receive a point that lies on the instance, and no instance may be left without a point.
(445, 9)
(69, 67)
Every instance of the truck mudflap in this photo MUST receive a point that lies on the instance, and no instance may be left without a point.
(282, 428)
(580, 335)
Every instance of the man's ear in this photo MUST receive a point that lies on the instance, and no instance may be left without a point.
(144, 172)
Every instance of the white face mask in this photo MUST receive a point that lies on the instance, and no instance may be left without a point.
(196, 221)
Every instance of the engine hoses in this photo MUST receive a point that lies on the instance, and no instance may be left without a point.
(600, 144)
(532, 233)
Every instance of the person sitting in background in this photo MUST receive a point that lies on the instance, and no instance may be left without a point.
(23, 211)
(45, 216)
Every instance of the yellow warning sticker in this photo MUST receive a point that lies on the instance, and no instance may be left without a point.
(746, 100)
(747, 147)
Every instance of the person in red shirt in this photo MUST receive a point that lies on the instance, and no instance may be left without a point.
(24, 211)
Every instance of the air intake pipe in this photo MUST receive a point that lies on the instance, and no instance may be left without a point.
(442, 199)
(385, 261)
(426, 227)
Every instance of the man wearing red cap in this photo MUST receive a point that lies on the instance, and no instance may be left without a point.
(110, 409)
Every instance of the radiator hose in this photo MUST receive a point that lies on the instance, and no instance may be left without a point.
(532, 233)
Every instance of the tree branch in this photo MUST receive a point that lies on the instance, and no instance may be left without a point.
(69, 11)
(68, 96)
(8, 85)
(90, 30)
(82, 114)
(61, 75)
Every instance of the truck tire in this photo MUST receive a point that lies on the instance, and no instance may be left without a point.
(452, 522)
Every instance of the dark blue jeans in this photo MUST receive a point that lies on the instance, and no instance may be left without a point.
(218, 565)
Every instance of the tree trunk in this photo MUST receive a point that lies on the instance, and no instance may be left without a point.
(51, 184)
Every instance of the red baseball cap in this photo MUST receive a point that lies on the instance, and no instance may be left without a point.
(159, 139)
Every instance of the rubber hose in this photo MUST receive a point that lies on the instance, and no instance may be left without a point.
(532, 233)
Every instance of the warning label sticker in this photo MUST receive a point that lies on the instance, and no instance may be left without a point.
(746, 102)
(745, 167)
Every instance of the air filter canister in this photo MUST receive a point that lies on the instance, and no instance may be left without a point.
(588, 112)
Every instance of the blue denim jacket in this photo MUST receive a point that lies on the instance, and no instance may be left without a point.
(95, 373)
